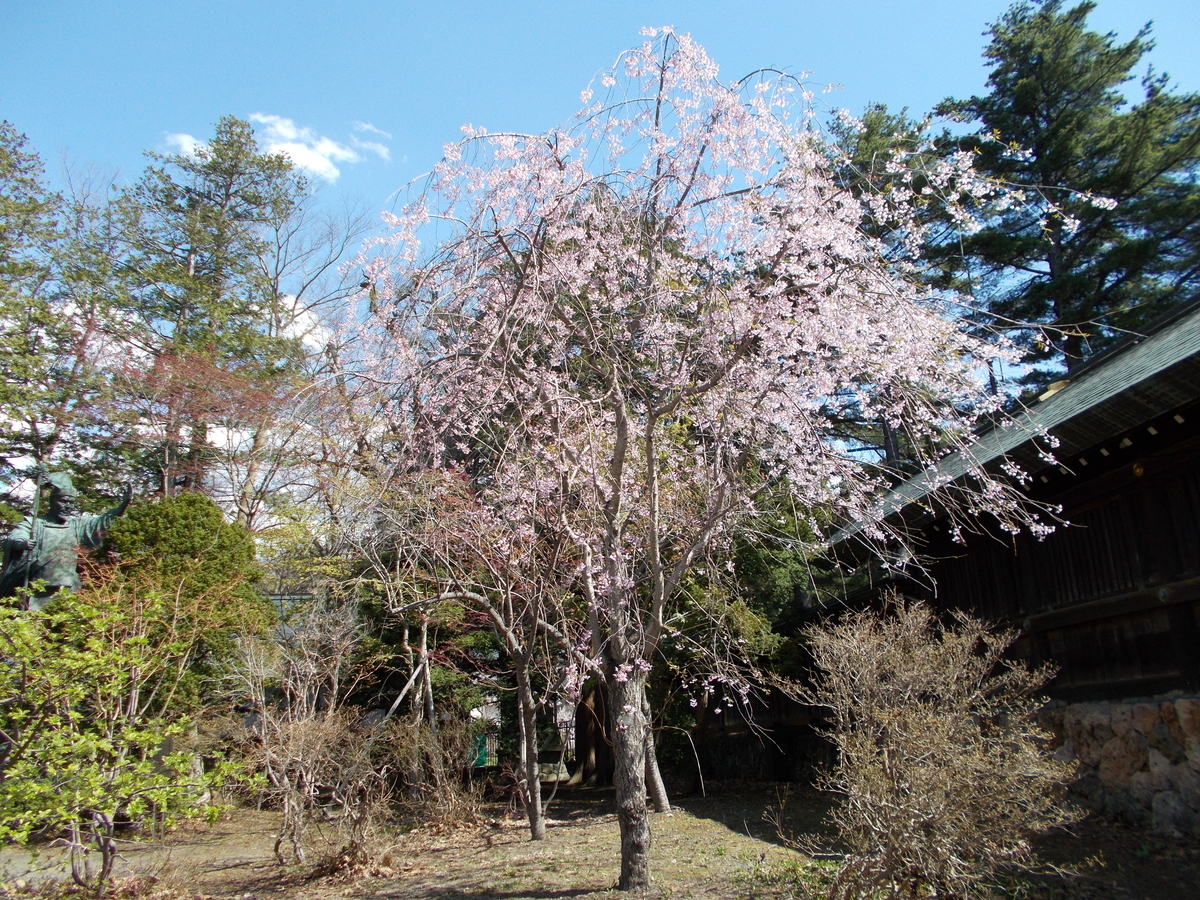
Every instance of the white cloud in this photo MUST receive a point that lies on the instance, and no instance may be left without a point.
(315, 153)
(382, 150)
(313, 334)
(367, 126)
(303, 146)
(183, 143)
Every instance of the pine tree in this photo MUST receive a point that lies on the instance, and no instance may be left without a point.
(200, 290)
(27, 229)
(50, 332)
(1108, 235)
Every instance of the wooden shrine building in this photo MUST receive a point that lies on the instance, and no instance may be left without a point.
(1113, 598)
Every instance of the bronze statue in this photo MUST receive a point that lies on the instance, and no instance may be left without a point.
(46, 548)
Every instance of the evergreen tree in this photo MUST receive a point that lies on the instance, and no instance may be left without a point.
(199, 287)
(27, 210)
(913, 195)
(197, 233)
(51, 331)
(182, 547)
(27, 227)
(190, 547)
(1108, 235)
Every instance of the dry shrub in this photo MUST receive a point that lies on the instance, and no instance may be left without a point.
(943, 770)
(320, 764)
(433, 767)
(323, 772)
(332, 772)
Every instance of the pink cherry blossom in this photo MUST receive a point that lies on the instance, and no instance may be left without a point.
(649, 322)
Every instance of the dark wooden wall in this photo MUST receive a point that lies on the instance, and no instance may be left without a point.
(1114, 598)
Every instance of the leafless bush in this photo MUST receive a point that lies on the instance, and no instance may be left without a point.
(432, 768)
(323, 773)
(942, 768)
(319, 763)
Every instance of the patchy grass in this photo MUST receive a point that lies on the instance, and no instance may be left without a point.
(714, 847)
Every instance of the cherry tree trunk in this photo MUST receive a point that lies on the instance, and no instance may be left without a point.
(654, 781)
(593, 746)
(629, 777)
(531, 785)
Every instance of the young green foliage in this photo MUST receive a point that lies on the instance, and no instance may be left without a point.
(88, 720)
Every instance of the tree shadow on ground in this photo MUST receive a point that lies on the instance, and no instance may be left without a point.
(442, 892)
(755, 808)
(1094, 859)
(576, 803)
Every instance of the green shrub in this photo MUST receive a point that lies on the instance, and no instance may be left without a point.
(184, 545)
(87, 729)
(187, 541)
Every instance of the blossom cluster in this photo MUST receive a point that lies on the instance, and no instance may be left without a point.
(635, 325)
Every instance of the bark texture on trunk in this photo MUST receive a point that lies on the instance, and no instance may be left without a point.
(532, 785)
(629, 777)
(593, 744)
(654, 782)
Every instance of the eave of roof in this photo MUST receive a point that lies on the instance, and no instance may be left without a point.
(1153, 375)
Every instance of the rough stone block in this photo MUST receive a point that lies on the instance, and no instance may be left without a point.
(1092, 731)
(1097, 720)
(1186, 784)
(1171, 719)
(1120, 758)
(1145, 784)
(1159, 766)
(1137, 747)
(1144, 716)
(1171, 815)
(1187, 712)
(1139, 761)
(1163, 739)
(1193, 754)
(1122, 719)
(1088, 751)
(1065, 752)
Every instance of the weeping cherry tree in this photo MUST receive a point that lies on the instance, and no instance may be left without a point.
(633, 331)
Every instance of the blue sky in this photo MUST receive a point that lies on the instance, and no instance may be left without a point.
(368, 91)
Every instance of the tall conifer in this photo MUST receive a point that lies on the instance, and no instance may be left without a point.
(1108, 236)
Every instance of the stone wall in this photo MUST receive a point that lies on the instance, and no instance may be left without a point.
(1139, 760)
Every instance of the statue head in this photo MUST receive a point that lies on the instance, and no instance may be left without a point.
(63, 496)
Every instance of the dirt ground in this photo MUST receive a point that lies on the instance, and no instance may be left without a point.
(717, 846)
